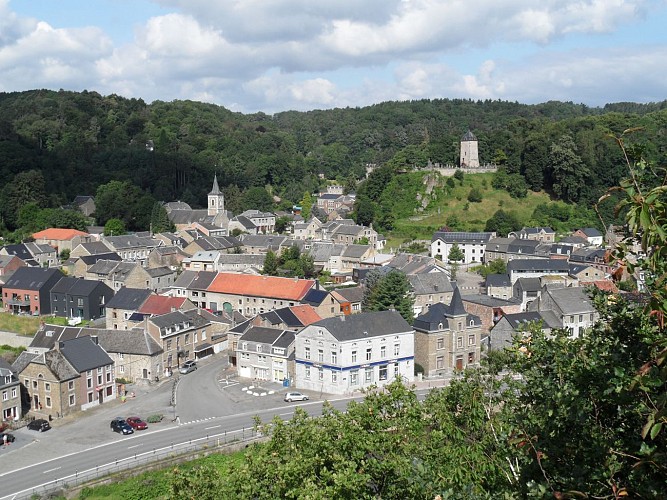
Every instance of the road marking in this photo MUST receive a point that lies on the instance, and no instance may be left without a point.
(51, 470)
(214, 427)
(285, 414)
(135, 446)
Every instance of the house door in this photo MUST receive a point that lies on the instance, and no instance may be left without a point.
(145, 373)
(100, 396)
(459, 362)
(36, 401)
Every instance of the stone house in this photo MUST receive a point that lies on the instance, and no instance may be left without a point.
(447, 338)
(263, 354)
(123, 305)
(61, 239)
(541, 234)
(510, 325)
(91, 248)
(428, 289)
(572, 307)
(489, 309)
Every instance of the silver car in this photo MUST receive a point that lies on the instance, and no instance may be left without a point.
(187, 367)
(295, 396)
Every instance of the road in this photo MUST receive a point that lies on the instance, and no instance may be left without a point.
(138, 448)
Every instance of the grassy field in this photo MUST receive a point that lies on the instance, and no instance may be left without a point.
(155, 484)
(27, 325)
(470, 216)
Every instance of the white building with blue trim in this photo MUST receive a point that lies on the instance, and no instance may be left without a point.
(344, 354)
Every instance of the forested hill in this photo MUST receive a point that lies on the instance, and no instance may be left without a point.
(78, 141)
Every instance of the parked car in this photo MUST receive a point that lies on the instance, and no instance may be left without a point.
(119, 425)
(295, 396)
(40, 425)
(136, 423)
(187, 367)
(10, 437)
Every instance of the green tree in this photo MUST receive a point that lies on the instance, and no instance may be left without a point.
(455, 254)
(257, 198)
(475, 196)
(282, 223)
(503, 223)
(569, 172)
(458, 175)
(392, 291)
(496, 266)
(364, 211)
(270, 264)
(306, 205)
(160, 221)
(114, 227)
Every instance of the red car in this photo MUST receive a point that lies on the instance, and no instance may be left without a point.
(136, 423)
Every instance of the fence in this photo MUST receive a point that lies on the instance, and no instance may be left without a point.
(174, 453)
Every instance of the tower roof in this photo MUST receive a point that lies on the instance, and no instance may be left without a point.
(216, 189)
(468, 136)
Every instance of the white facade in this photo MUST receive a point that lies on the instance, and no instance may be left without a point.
(328, 365)
(473, 249)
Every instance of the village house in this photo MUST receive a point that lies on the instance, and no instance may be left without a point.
(591, 235)
(510, 326)
(80, 298)
(447, 338)
(9, 264)
(263, 354)
(350, 353)
(507, 249)
(61, 239)
(121, 307)
(536, 268)
(10, 389)
(28, 290)
(472, 245)
(193, 285)
(572, 307)
(91, 248)
(133, 248)
(306, 230)
(541, 234)
(428, 289)
(33, 254)
(489, 309)
(76, 374)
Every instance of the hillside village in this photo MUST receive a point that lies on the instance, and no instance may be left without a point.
(151, 302)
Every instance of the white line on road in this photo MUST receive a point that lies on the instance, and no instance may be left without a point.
(214, 427)
(135, 446)
(51, 470)
(286, 414)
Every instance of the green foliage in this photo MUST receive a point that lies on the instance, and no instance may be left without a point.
(306, 205)
(200, 482)
(282, 223)
(455, 254)
(270, 263)
(390, 291)
(114, 227)
(514, 184)
(503, 223)
(496, 266)
(475, 196)
(364, 211)
(160, 222)
(257, 198)
(155, 418)
(458, 175)
(568, 170)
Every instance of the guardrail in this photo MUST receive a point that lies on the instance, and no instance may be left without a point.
(174, 453)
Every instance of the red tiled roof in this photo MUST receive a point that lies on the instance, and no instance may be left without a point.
(306, 314)
(56, 233)
(603, 285)
(260, 286)
(161, 304)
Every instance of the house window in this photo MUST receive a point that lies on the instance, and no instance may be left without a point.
(259, 348)
(334, 377)
(307, 372)
(168, 345)
(14, 392)
(459, 342)
(47, 387)
(354, 377)
(439, 362)
(306, 353)
(194, 337)
(89, 382)
(320, 355)
(5, 395)
(354, 356)
(72, 400)
(369, 353)
(383, 372)
(397, 349)
(121, 356)
(244, 346)
(99, 380)
(70, 385)
(108, 376)
(368, 376)
(591, 318)
(397, 372)
(121, 369)
(471, 357)
(90, 397)
(334, 357)
(440, 343)
(48, 401)
(471, 340)
(581, 318)
(187, 338)
(320, 373)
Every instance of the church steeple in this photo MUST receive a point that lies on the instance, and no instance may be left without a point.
(216, 199)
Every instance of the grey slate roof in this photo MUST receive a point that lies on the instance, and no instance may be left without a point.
(591, 232)
(76, 286)
(128, 241)
(529, 284)
(425, 284)
(537, 265)
(128, 298)
(518, 319)
(84, 354)
(355, 251)
(23, 360)
(31, 278)
(95, 247)
(61, 367)
(285, 340)
(351, 293)
(462, 237)
(572, 300)
(488, 301)
(431, 319)
(498, 280)
(90, 260)
(261, 334)
(154, 272)
(364, 325)
(135, 341)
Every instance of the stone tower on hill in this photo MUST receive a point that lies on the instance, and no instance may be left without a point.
(216, 199)
(469, 154)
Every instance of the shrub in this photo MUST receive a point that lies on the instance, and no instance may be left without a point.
(154, 419)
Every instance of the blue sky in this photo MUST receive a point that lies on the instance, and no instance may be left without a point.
(276, 55)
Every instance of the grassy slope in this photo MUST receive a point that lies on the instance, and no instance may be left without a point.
(454, 202)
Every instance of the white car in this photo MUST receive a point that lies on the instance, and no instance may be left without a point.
(295, 396)
(187, 367)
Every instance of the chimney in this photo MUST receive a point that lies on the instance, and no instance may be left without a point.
(95, 339)
(59, 345)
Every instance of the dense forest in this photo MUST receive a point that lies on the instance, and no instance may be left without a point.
(55, 145)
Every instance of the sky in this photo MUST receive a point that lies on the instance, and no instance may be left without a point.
(279, 55)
